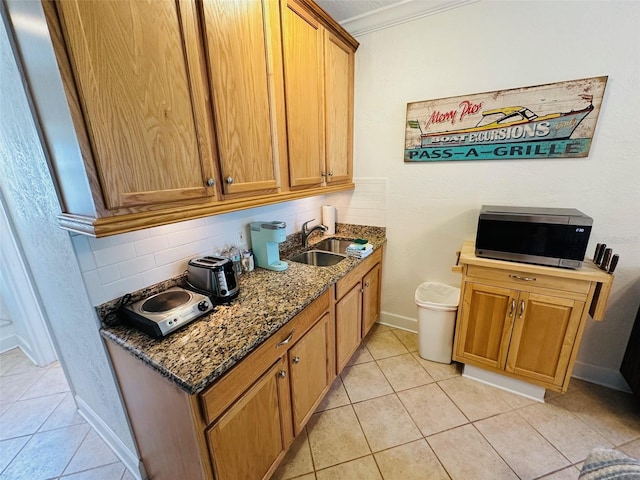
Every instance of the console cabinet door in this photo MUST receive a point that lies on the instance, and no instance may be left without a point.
(137, 71)
(249, 439)
(544, 333)
(242, 87)
(310, 375)
(486, 323)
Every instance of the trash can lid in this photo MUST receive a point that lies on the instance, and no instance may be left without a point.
(437, 295)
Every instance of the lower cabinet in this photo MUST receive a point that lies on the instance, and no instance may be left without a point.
(250, 438)
(357, 306)
(311, 371)
(256, 423)
(348, 326)
(241, 426)
(371, 284)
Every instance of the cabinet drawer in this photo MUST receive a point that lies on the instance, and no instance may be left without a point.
(227, 389)
(518, 279)
(347, 282)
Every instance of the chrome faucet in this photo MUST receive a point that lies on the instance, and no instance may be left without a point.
(306, 233)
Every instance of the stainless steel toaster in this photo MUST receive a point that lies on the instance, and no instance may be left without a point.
(213, 276)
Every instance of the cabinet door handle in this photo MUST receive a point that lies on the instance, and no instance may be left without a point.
(286, 340)
(331, 173)
(296, 360)
(522, 307)
(282, 373)
(211, 182)
(229, 180)
(513, 307)
(366, 284)
(525, 279)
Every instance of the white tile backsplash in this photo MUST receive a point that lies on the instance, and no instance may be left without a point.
(151, 245)
(115, 266)
(114, 254)
(137, 265)
(109, 274)
(159, 274)
(84, 253)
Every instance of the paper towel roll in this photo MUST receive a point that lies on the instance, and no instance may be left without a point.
(329, 218)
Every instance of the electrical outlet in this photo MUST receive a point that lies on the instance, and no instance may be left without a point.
(241, 237)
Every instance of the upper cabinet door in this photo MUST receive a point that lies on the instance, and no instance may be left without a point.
(338, 80)
(242, 39)
(140, 83)
(302, 52)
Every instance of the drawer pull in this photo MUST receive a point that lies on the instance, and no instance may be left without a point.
(513, 307)
(525, 279)
(286, 340)
(522, 307)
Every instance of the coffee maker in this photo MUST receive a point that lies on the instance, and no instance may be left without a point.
(265, 237)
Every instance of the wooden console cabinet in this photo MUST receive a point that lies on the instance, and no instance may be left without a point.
(525, 321)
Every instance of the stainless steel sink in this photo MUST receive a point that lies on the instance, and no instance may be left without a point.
(334, 245)
(318, 258)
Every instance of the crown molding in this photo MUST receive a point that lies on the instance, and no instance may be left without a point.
(396, 14)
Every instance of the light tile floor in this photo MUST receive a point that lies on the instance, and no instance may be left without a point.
(394, 416)
(390, 415)
(42, 436)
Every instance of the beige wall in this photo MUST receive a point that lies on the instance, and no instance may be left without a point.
(432, 208)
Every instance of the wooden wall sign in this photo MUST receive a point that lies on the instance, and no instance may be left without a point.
(546, 121)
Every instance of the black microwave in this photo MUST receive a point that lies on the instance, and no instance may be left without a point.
(545, 236)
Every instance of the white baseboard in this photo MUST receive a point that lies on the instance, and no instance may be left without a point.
(8, 343)
(606, 377)
(398, 321)
(126, 456)
(508, 384)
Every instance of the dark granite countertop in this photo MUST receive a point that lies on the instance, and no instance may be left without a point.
(195, 356)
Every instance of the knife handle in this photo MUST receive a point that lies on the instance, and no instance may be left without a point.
(614, 263)
(601, 254)
(597, 252)
(605, 259)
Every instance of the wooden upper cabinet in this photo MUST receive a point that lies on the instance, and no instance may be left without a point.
(302, 56)
(140, 87)
(243, 56)
(184, 109)
(319, 81)
(338, 81)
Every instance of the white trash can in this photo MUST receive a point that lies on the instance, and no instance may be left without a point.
(437, 307)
